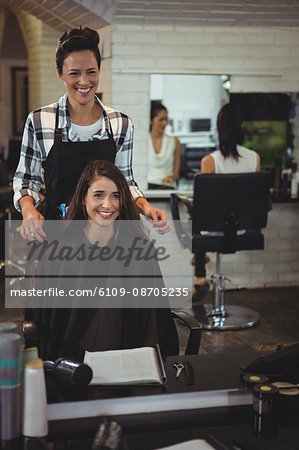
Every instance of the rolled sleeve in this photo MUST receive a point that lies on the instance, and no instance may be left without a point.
(29, 173)
(124, 157)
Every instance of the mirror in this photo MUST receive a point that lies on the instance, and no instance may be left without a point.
(192, 102)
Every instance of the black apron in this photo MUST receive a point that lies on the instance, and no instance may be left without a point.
(66, 162)
(62, 170)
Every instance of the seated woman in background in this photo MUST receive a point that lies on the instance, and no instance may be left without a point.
(101, 202)
(231, 157)
(164, 151)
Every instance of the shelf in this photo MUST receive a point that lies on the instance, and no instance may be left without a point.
(191, 134)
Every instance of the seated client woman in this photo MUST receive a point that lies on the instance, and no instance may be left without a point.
(102, 218)
(231, 157)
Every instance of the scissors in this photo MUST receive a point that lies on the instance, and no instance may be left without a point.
(179, 368)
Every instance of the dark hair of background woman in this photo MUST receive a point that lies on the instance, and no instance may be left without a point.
(127, 208)
(230, 131)
(75, 40)
(156, 107)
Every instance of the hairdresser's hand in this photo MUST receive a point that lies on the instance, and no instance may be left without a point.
(156, 216)
(32, 225)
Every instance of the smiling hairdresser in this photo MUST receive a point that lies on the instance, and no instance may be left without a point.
(60, 139)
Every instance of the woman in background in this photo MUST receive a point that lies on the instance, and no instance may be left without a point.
(231, 157)
(102, 215)
(164, 150)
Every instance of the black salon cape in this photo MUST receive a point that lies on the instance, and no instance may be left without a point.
(68, 332)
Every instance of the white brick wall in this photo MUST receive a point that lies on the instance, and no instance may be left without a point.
(258, 60)
(276, 265)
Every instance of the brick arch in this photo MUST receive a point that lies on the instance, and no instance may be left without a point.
(40, 40)
(3, 15)
(20, 16)
(13, 44)
(30, 27)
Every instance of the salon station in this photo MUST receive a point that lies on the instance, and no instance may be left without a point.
(175, 69)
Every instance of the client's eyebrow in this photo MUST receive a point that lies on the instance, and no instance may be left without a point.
(100, 192)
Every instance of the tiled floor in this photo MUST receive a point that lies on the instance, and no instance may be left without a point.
(279, 319)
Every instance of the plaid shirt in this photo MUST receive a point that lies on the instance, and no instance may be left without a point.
(38, 139)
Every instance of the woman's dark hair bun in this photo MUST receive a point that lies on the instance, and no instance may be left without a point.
(74, 40)
(81, 33)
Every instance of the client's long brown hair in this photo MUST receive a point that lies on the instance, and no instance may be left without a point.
(230, 131)
(127, 207)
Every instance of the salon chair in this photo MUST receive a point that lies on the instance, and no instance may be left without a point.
(12, 156)
(226, 204)
(6, 192)
(8, 213)
(5, 202)
(194, 328)
(6, 197)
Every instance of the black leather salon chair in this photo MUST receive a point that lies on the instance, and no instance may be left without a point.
(225, 203)
(6, 192)
(6, 198)
(194, 329)
(12, 156)
(7, 213)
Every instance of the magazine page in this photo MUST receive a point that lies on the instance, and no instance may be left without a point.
(133, 366)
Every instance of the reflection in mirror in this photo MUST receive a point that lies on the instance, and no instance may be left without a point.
(192, 102)
(271, 123)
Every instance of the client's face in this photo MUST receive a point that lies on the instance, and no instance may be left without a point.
(102, 201)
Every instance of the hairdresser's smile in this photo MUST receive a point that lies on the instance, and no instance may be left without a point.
(102, 201)
(84, 91)
(80, 74)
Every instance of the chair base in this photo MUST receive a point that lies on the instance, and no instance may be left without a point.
(232, 318)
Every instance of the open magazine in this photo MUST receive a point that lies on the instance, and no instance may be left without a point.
(134, 366)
